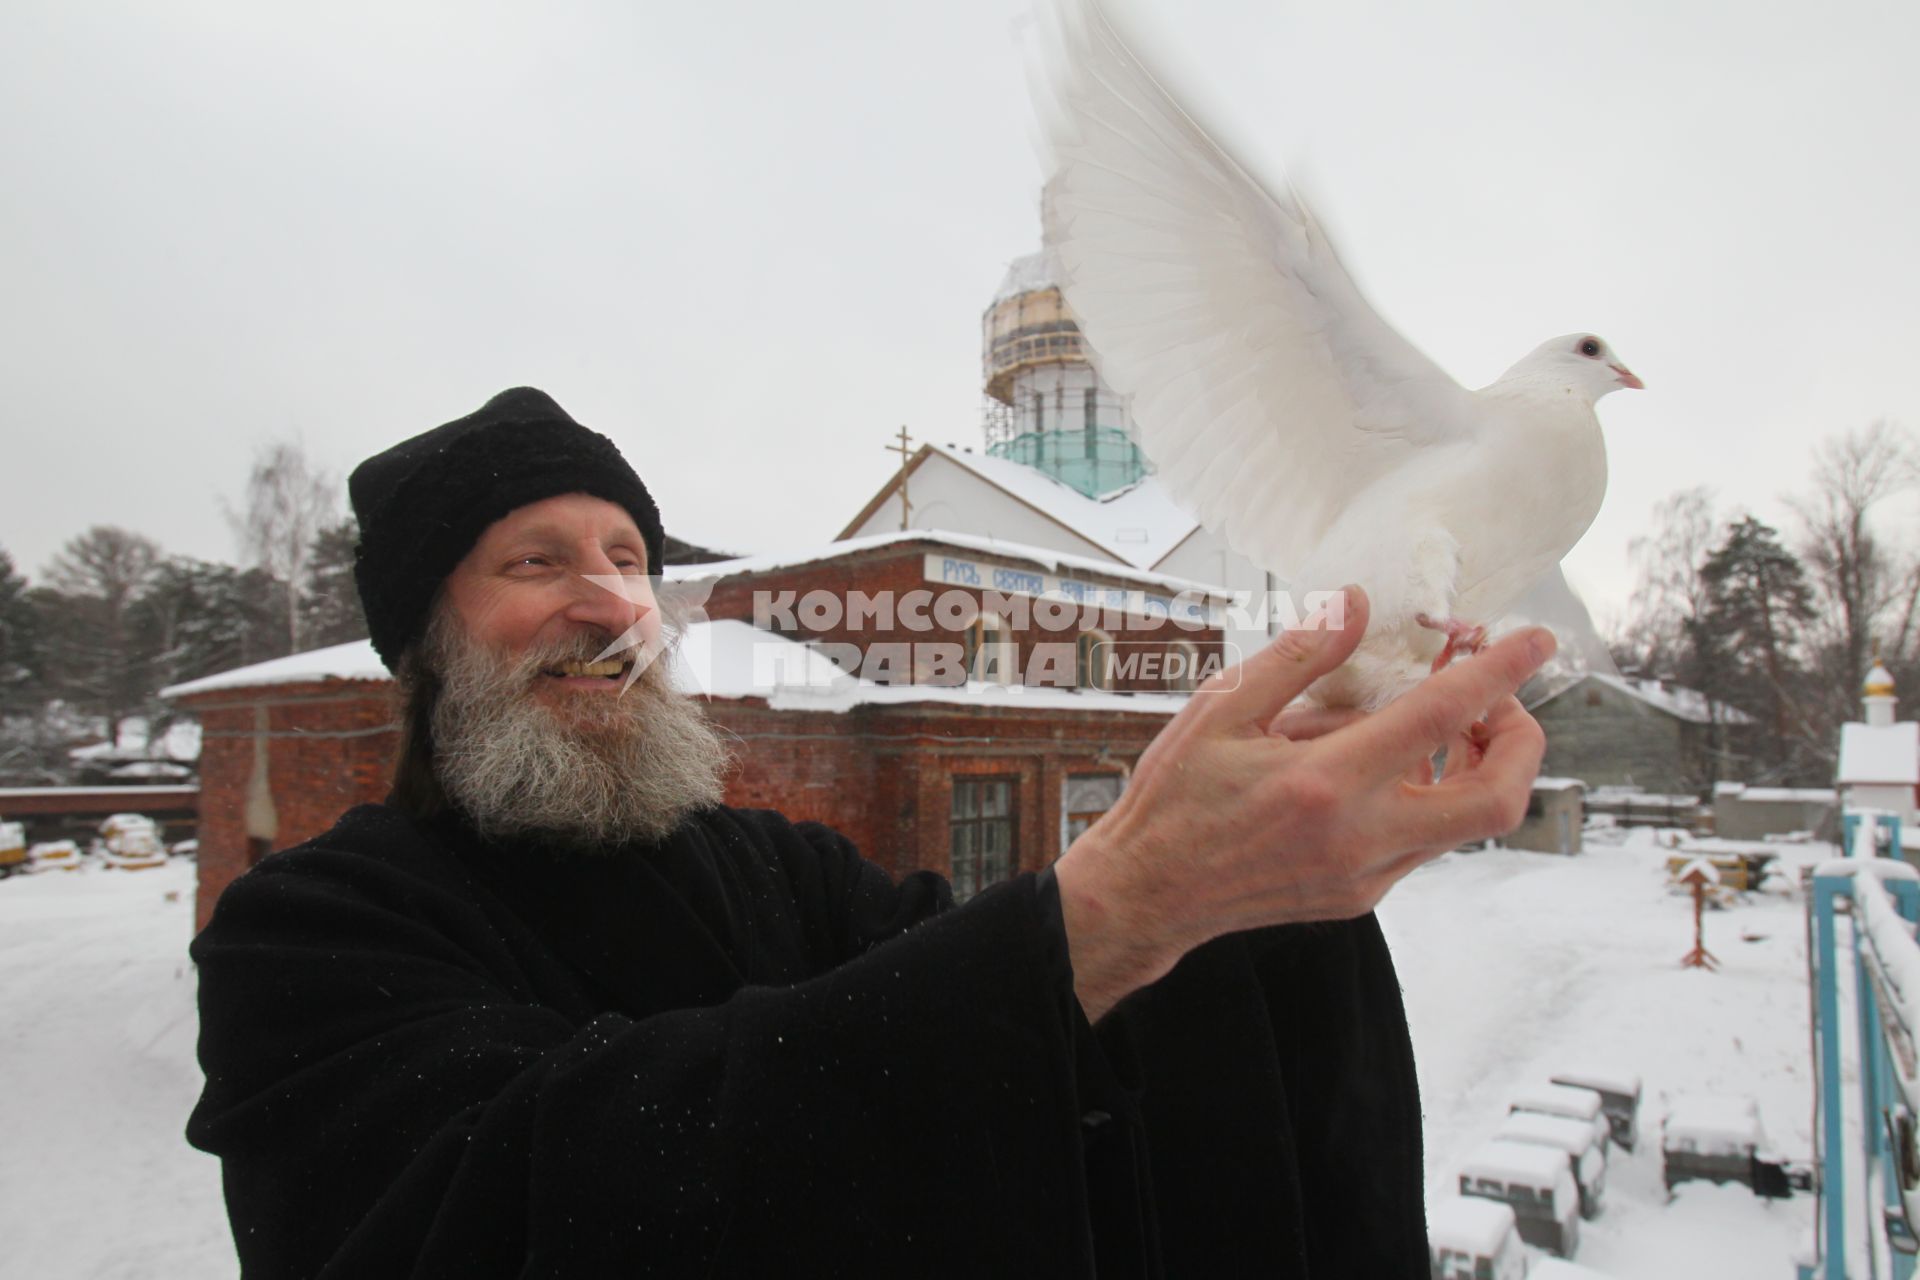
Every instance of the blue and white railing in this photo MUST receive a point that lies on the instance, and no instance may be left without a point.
(1868, 903)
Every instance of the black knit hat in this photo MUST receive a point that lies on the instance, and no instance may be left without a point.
(423, 503)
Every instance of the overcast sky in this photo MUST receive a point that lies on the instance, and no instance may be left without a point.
(750, 240)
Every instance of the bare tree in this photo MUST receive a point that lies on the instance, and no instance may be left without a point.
(1670, 596)
(1859, 581)
(98, 655)
(289, 501)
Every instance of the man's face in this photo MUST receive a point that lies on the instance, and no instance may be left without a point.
(530, 736)
(527, 586)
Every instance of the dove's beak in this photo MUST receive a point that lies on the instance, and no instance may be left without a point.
(1627, 379)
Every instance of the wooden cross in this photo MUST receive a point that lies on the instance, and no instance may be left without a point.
(905, 450)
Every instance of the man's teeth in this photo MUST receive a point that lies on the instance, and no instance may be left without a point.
(609, 667)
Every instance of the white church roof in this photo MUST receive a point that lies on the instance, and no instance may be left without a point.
(1045, 557)
(1137, 525)
(1888, 753)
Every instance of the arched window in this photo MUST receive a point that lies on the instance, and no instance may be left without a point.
(989, 650)
(1093, 660)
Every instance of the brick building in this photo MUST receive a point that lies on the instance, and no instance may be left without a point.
(951, 703)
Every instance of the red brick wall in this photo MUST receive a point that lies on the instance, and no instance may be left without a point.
(328, 749)
(899, 569)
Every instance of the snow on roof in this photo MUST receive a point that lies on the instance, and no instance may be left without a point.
(728, 659)
(1138, 525)
(1602, 1078)
(1564, 1132)
(1879, 753)
(1042, 556)
(1544, 783)
(354, 660)
(1775, 795)
(1522, 1162)
(1470, 1224)
(1024, 275)
(179, 741)
(1557, 1100)
(1726, 1126)
(1676, 700)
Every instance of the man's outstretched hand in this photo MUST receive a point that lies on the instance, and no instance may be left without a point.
(1243, 814)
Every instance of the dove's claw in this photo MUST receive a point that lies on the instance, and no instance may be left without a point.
(1462, 637)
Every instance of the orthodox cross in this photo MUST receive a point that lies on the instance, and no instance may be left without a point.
(905, 451)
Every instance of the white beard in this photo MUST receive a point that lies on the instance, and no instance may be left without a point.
(595, 773)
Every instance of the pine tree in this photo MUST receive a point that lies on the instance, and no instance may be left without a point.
(1758, 603)
(206, 617)
(331, 607)
(20, 660)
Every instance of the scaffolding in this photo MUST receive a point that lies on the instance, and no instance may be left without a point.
(1044, 403)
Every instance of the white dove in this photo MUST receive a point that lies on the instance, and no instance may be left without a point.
(1278, 404)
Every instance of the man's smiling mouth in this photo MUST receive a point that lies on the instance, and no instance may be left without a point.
(608, 668)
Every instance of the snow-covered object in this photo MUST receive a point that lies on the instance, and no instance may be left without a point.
(1542, 1170)
(1564, 1100)
(55, 855)
(354, 660)
(1544, 783)
(1698, 869)
(1894, 950)
(1712, 1126)
(1557, 1100)
(1472, 1237)
(1602, 1078)
(1619, 1091)
(1297, 423)
(1575, 1139)
(1045, 558)
(1676, 700)
(1874, 753)
(132, 842)
(13, 848)
(729, 659)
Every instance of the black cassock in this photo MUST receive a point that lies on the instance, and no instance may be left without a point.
(745, 1051)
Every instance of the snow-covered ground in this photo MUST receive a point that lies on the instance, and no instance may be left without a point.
(1515, 965)
(97, 1076)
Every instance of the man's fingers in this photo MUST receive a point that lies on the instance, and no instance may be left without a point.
(1303, 723)
(1422, 721)
(1281, 672)
(1489, 799)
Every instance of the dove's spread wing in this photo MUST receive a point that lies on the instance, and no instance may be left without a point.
(1267, 391)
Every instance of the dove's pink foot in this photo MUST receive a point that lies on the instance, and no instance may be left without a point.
(1462, 637)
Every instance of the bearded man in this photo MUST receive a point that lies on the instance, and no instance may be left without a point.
(554, 1010)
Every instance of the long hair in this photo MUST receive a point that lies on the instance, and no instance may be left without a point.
(416, 787)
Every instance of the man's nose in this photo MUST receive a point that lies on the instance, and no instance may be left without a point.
(606, 598)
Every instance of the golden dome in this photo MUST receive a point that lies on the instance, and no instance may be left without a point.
(1879, 683)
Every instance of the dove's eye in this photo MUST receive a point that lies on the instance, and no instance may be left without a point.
(1589, 348)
